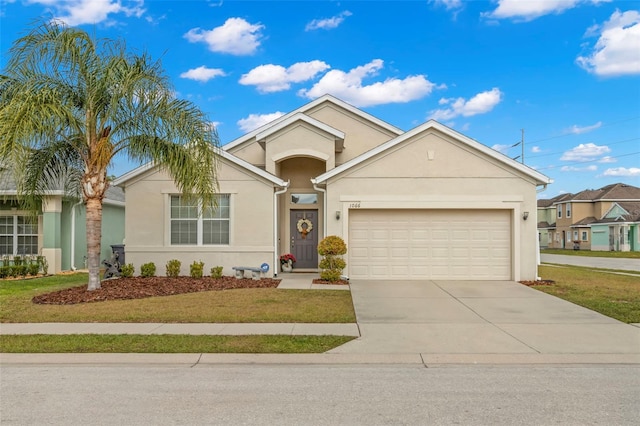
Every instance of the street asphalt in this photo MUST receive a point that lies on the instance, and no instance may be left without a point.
(401, 322)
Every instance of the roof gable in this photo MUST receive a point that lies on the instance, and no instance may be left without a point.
(311, 105)
(432, 124)
(138, 172)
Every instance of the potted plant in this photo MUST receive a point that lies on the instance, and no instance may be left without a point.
(287, 261)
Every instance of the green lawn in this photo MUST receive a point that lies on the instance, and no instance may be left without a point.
(237, 306)
(614, 295)
(262, 305)
(589, 253)
(95, 343)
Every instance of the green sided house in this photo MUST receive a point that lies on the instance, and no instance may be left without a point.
(429, 203)
(58, 231)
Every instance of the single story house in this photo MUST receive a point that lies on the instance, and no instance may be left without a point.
(58, 231)
(429, 203)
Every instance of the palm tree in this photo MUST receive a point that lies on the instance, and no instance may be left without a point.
(69, 104)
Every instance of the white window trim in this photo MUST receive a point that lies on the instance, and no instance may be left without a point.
(568, 210)
(585, 234)
(199, 224)
(15, 236)
(559, 211)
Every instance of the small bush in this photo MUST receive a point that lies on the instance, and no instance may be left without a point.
(44, 264)
(173, 268)
(331, 265)
(332, 246)
(17, 260)
(148, 270)
(196, 269)
(127, 270)
(216, 272)
(5, 271)
(34, 268)
(332, 275)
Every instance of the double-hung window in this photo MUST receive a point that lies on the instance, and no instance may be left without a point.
(18, 235)
(194, 224)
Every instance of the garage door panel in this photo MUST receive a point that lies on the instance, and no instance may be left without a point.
(430, 244)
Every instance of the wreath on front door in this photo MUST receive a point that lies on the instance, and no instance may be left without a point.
(302, 229)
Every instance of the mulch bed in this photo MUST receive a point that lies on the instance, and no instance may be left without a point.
(537, 282)
(139, 287)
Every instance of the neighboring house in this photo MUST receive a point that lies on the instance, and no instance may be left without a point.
(595, 219)
(547, 219)
(429, 203)
(619, 229)
(58, 231)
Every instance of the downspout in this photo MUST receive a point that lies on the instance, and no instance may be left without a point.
(73, 235)
(324, 206)
(275, 227)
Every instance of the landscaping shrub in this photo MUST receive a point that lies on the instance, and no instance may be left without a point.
(5, 271)
(196, 269)
(33, 269)
(216, 272)
(127, 270)
(148, 270)
(173, 268)
(44, 265)
(332, 264)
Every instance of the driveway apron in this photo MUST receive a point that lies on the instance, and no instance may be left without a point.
(479, 317)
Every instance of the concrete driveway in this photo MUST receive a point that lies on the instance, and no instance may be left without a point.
(479, 317)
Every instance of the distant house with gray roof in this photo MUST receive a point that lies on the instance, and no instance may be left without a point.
(58, 231)
(595, 219)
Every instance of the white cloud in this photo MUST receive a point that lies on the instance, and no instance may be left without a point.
(617, 51)
(623, 171)
(349, 87)
(501, 148)
(327, 24)
(607, 159)
(535, 149)
(274, 78)
(577, 130)
(585, 152)
(591, 168)
(253, 121)
(78, 12)
(480, 104)
(448, 4)
(521, 10)
(236, 36)
(203, 74)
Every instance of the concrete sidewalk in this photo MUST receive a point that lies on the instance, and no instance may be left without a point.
(213, 329)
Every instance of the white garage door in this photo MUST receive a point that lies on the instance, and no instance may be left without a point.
(430, 244)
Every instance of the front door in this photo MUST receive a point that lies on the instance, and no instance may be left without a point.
(304, 238)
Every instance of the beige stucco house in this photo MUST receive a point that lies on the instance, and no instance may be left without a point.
(429, 203)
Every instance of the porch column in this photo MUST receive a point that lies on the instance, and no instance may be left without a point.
(52, 241)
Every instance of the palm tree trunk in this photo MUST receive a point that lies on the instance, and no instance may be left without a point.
(94, 234)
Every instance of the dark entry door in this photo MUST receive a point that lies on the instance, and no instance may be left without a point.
(304, 238)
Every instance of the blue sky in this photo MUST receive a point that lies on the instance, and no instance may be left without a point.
(565, 71)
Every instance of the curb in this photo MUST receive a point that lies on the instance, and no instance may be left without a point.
(419, 360)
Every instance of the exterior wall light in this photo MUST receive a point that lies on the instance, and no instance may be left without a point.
(525, 215)
(337, 214)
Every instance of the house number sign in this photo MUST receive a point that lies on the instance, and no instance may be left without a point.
(355, 205)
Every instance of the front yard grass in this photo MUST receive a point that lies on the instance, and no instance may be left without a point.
(228, 306)
(589, 253)
(614, 295)
(121, 343)
(262, 305)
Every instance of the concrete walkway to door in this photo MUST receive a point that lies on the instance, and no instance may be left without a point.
(480, 317)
